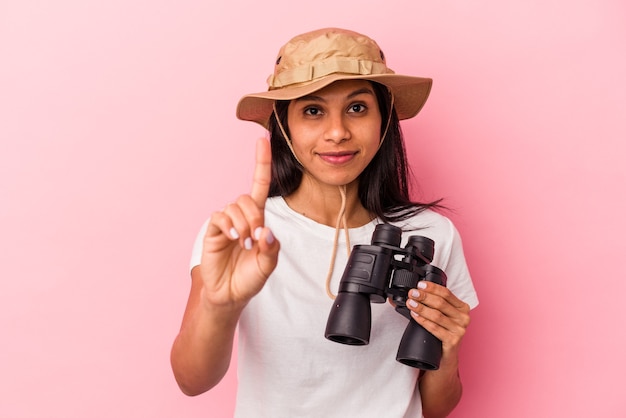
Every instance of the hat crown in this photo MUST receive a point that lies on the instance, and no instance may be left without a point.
(316, 54)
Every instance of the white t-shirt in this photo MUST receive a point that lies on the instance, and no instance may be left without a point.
(287, 368)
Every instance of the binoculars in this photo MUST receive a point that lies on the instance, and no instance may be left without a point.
(384, 270)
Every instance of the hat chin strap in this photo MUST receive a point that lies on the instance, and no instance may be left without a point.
(341, 221)
(382, 138)
(282, 130)
(341, 216)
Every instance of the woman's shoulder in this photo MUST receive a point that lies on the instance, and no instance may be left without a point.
(427, 219)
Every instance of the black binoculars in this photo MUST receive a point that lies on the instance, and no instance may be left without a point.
(384, 270)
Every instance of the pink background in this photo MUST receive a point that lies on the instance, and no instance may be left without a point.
(118, 138)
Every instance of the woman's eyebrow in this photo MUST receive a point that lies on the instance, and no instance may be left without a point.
(314, 98)
(364, 90)
(309, 97)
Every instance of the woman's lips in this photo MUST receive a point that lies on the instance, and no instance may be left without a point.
(337, 157)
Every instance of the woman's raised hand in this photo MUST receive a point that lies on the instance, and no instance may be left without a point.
(239, 252)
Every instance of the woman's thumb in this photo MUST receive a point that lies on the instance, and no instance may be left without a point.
(268, 252)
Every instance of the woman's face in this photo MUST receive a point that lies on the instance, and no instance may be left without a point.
(335, 131)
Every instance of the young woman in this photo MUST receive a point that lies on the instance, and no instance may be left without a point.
(269, 267)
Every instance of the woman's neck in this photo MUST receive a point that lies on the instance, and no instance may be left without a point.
(323, 204)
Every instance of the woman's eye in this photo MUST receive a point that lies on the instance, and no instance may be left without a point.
(312, 111)
(357, 108)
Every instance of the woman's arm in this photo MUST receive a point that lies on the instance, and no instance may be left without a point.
(238, 255)
(446, 317)
(202, 350)
(441, 389)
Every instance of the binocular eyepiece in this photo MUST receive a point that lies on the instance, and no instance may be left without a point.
(373, 274)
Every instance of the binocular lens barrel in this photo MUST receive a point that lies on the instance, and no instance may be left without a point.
(350, 319)
(419, 348)
(424, 246)
(386, 234)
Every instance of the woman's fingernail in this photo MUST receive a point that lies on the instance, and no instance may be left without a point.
(412, 303)
(414, 293)
(269, 238)
(422, 285)
(257, 233)
(233, 233)
(247, 243)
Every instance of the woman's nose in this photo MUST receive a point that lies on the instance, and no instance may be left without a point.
(336, 129)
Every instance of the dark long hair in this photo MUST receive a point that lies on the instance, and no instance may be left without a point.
(384, 187)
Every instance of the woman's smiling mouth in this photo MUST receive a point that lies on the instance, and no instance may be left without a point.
(337, 157)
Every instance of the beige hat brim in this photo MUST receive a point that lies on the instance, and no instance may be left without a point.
(410, 94)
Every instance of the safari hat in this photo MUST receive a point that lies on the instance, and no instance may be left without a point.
(316, 59)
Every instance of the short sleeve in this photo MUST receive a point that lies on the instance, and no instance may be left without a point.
(459, 279)
(196, 252)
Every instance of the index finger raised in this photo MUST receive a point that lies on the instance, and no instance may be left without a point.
(262, 173)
